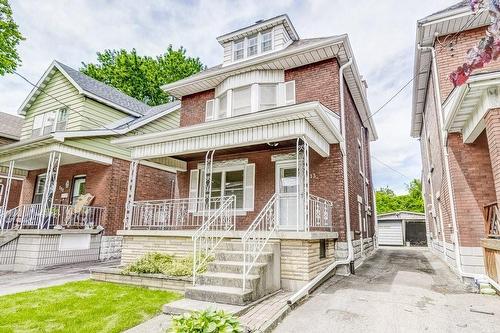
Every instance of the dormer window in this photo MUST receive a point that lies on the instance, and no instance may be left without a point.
(239, 49)
(252, 46)
(267, 41)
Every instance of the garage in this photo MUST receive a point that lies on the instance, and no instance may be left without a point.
(401, 229)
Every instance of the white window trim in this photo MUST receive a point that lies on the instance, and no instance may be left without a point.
(259, 46)
(360, 158)
(223, 170)
(44, 121)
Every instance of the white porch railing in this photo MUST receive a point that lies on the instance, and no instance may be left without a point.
(171, 214)
(256, 237)
(320, 214)
(30, 216)
(212, 232)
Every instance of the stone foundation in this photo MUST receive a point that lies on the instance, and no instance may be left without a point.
(111, 248)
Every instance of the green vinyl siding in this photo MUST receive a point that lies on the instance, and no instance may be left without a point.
(98, 115)
(168, 121)
(100, 145)
(62, 91)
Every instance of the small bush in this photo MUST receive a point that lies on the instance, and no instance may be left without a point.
(159, 263)
(207, 321)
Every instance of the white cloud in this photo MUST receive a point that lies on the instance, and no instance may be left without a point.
(382, 34)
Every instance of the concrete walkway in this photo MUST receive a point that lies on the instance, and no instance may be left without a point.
(396, 290)
(13, 282)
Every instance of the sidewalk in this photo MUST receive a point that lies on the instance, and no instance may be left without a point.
(15, 282)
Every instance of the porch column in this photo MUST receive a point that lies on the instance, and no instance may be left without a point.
(132, 177)
(492, 123)
(6, 192)
(49, 190)
(302, 161)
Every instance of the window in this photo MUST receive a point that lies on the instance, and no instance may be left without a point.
(252, 46)
(209, 110)
(78, 188)
(49, 122)
(222, 111)
(227, 183)
(39, 187)
(238, 50)
(267, 96)
(322, 248)
(360, 159)
(266, 41)
(241, 101)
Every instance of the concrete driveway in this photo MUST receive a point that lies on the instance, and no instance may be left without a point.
(396, 290)
(11, 282)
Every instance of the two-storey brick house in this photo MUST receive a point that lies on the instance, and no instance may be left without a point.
(275, 141)
(74, 181)
(457, 129)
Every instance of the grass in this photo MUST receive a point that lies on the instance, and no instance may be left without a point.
(83, 306)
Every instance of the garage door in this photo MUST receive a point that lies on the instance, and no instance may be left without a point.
(390, 233)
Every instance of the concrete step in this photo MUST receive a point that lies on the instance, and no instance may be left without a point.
(238, 246)
(235, 267)
(225, 255)
(228, 280)
(219, 294)
(187, 305)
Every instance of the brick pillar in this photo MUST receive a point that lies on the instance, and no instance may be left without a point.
(492, 120)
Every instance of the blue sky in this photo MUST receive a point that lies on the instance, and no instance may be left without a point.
(382, 34)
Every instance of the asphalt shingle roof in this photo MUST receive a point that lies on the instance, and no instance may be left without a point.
(10, 125)
(104, 91)
(458, 5)
(153, 111)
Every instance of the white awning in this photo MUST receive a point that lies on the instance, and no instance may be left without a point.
(319, 126)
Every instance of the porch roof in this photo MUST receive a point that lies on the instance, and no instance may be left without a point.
(34, 155)
(465, 108)
(318, 125)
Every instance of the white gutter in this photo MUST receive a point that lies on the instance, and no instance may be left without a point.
(311, 284)
(443, 136)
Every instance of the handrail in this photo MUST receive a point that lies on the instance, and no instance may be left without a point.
(212, 232)
(9, 217)
(257, 235)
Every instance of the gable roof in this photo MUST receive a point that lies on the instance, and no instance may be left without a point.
(10, 126)
(89, 87)
(401, 215)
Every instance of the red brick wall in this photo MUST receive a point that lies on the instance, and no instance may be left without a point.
(193, 108)
(108, 183)
(470, 168)
(15, 192)
(448, 59)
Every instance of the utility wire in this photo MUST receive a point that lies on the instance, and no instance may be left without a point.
(391, 168)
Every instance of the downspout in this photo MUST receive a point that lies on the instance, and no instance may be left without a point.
(443, 136)
(350, 258)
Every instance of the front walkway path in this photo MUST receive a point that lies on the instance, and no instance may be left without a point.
(396, 290)
(14, 282)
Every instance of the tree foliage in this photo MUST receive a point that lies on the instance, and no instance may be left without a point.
(10, 37)
(142, 76)
(388, 201)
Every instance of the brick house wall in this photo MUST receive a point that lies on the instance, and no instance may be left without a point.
(15, 192)
(108, 183)
(314, 82)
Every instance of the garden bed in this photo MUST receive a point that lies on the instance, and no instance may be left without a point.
(155, 281)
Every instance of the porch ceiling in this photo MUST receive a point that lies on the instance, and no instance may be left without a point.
(37, 158)
(465, 108)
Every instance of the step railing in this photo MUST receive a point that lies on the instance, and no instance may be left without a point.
(216, 227)
(9, 221)
(169, 214)
(491, 220)
(258, 234)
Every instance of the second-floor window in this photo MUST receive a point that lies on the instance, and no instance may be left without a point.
(250, 98)
(49, 122)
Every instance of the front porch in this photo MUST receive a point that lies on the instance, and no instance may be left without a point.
(55, 190)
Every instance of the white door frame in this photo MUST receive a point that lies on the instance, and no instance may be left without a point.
(287, 164)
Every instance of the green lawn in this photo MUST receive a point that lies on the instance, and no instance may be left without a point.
(84, 306)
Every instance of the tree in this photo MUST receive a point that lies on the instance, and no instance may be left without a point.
(142, 76)
(388, 201)
(10, 37)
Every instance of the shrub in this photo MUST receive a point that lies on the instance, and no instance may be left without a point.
(159, 263)
(207, 321)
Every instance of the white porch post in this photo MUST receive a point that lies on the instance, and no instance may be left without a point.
(6, 192)
(132, 178)
(49, 189)
(302, 162)
(207, 183)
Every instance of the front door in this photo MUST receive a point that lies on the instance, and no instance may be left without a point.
(286, 187)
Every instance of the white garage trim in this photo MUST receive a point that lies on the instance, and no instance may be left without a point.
(390, 233)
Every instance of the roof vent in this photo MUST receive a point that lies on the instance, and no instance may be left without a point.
(259, 21)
